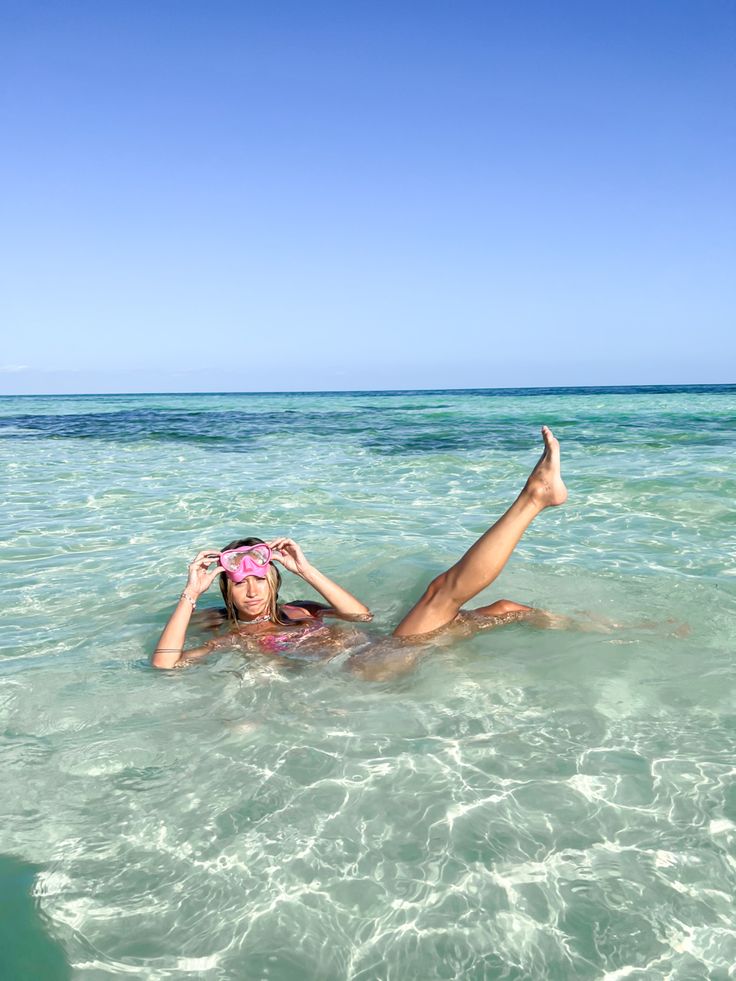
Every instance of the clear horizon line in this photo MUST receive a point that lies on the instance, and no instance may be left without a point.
(612, 389)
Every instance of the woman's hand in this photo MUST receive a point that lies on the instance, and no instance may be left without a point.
(169, 652)
(339, 601)
(288, 554)
(201, 576)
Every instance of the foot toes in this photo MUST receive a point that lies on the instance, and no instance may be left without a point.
(551, 447)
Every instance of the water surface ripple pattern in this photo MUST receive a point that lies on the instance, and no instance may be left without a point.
(526, 804)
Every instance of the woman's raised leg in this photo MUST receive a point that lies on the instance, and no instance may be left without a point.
(484, 560)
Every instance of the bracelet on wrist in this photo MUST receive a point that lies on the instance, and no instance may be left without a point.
(185, 595)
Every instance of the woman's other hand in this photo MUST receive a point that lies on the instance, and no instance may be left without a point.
(339, 601)
(201, 576)
(289, 555)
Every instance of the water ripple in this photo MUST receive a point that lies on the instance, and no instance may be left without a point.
(556, 804)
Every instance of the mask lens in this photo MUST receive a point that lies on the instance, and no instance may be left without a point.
(232, 561)
(259, 554)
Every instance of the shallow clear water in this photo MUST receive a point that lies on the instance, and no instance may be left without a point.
(526, 804)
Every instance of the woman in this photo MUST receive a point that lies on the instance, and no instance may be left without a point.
(253, 607)
(250, 583)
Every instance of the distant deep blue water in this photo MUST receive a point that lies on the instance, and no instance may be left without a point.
(527, 804)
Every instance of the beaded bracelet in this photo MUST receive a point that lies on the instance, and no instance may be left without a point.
(185, 595)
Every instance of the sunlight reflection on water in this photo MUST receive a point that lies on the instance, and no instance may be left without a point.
(526, 804)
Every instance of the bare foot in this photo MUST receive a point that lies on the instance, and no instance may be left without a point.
(545, 484)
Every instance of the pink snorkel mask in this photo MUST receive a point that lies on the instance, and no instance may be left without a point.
(251, 560)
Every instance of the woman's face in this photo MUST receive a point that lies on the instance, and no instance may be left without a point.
(251, 597)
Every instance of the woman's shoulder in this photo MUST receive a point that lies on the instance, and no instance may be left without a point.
(302, 610)
(211, 617)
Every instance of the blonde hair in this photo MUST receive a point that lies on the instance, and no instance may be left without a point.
(273, 577)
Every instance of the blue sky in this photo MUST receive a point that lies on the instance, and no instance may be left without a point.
(299, 196)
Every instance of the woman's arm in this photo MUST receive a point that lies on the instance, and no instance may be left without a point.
(339, 600)
(169, 650)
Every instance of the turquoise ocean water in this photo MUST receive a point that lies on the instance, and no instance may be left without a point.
(526, 804)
